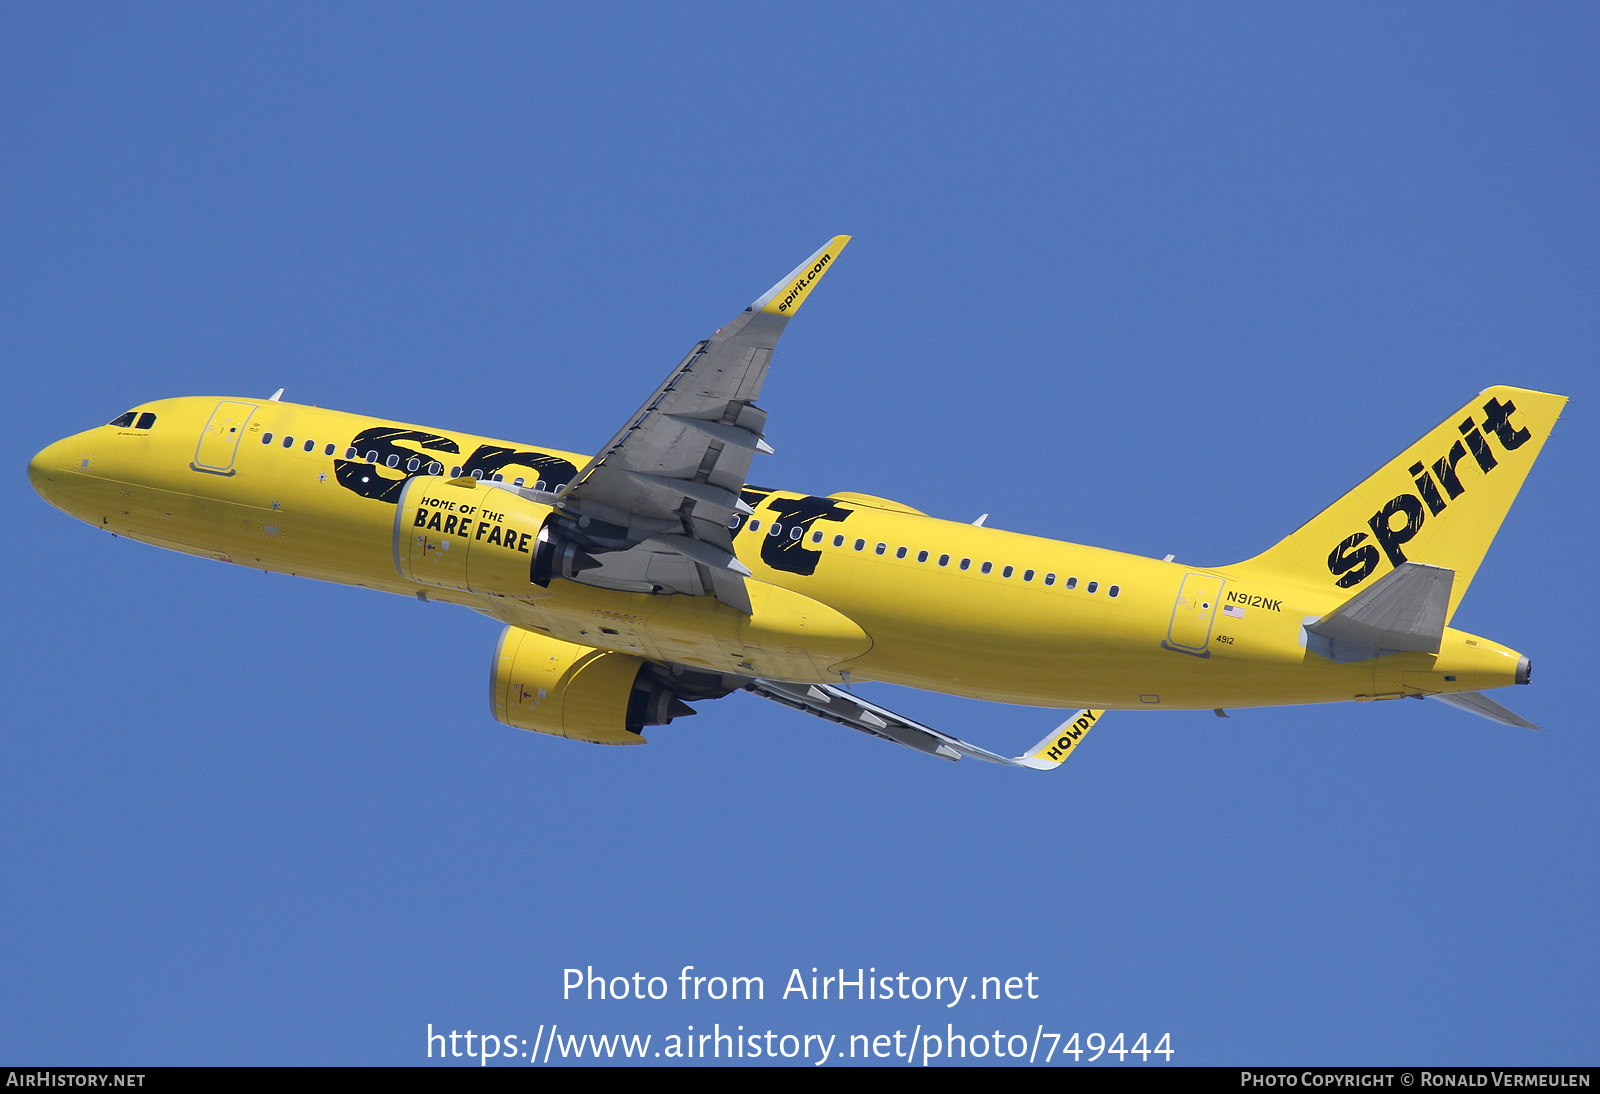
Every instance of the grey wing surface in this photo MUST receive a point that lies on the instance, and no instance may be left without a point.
(847, 709)
(654, 507)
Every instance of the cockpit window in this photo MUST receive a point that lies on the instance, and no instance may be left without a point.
(146, 420)
(125, 421)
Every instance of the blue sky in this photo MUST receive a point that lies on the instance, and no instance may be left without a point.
(1160, 279)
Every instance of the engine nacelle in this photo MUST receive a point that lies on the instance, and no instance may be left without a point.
(567, 690)
(464, 534)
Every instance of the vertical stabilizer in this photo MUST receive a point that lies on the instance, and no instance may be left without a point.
(1440, 502)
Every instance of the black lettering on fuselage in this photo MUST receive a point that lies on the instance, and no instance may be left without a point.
(377, 480)
(1250, 600)
(786, 551)
(381, 482)
(491, 459)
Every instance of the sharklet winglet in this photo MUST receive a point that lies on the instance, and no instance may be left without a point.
(786, 296)
(1053, 751)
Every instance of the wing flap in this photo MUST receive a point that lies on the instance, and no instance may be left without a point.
(839, 706)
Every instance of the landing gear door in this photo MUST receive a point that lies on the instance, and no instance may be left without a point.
(219, 441)
(1192, 614)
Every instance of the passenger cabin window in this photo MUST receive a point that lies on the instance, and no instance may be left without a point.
(327, 449)
(414, 463)
(1049, 579)
(392, 461)
(438, 469)
(965, 563)
(860, 543)
(1092, 586)
(900, 553)
(124, 421)
(922, 556)
(146, 420)
(755, 526)
(796, 531)
(1072, 583)
(838, 541)
(1027, 575)
(880, 548)
(944, 560)
(310, 445)
(477, 473)
(1114, 590)
(1007, 572)
(266, 438)
(816, 537)
(775, 530)
(372, 457)
(349, 453)
(288, 442)
(986, 567)
(455, 472)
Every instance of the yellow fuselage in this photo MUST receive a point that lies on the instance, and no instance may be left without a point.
(1027, 620)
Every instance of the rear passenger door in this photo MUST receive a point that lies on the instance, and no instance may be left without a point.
(1189, 630)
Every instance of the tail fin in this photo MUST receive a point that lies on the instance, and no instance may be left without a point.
(1439, 502)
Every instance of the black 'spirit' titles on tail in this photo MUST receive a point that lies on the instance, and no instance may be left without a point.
(1352, 560)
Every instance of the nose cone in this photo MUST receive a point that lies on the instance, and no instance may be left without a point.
(43, 470)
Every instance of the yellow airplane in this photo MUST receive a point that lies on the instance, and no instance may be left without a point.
(653, 574)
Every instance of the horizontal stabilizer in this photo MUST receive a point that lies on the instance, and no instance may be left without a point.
(1402, 612)
(847, 709)
(1476, 702)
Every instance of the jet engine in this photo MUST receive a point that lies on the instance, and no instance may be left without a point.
(567, 690)
(468, 535)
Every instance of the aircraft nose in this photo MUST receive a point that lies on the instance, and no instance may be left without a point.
(42, 469)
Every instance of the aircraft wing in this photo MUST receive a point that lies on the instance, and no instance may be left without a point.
(847, 709)
(655, 505)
